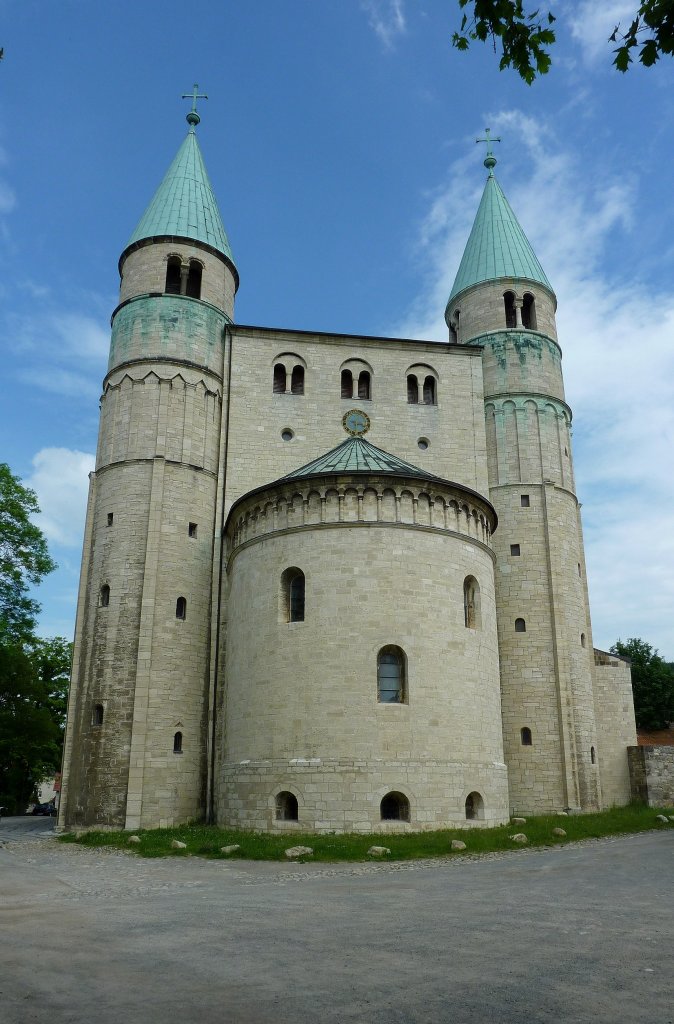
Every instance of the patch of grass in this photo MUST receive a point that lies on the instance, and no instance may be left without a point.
(206, 840)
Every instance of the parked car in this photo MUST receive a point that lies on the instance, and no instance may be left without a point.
(48, 809)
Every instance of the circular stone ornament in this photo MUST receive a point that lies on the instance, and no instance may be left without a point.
(356, 422)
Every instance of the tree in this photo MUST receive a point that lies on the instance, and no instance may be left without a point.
(652, 683)
(524, 35)
(24, 558)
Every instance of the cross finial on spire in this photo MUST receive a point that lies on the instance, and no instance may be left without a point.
(490, 159)
(193, 118)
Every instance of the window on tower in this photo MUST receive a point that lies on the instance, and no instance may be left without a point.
(429, 391)
(525, 736)
(509, 304)
(178, 743)
(346, 384)
(529, 311)
(173, 276)
(474, 806)
(412, 389)
(104, 596)
(394, 807)
(364, 385)
(391, 676)
(193, 287)
(181, 608)
(292, 595)
(97, 715)
(520, 626)
(286, 806)
(471, 603)
(297, 381)
(279, 386)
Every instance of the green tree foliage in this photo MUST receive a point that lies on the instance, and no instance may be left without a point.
(524, 35)
(33, 672)
(24, 558)
(652, 683)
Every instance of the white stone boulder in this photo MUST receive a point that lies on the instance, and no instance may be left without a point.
(230, 849)
(518, 821)
(177, 845)
(558, 832)
(458, 844)
(519, 837)
(378, 851)
(133, 839)
(293, 852)
(662, 817)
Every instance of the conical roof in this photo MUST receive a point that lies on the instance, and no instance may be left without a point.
(184, 205)
(497, 246)
(356, 455)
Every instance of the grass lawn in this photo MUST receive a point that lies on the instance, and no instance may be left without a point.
(206, 840)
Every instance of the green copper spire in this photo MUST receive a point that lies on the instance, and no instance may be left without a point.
(356, 455)
(497, 246)
(184, 205)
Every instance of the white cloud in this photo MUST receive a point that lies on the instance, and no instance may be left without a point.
(387, 18)
(60, 479)
(593, 23)
(616, 336)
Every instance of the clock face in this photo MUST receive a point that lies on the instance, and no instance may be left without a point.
(356, 422)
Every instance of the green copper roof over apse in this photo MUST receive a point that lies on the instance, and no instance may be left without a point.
(355, 455)
(184, 205)
(497, 246)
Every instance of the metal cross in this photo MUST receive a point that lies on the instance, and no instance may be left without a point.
(489, 141)
(194, 96)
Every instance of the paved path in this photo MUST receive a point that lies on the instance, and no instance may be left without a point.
(577, 934)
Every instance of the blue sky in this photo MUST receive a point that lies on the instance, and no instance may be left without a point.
(339, 138)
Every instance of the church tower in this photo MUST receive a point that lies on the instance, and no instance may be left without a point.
(502, 300)
(135, 751)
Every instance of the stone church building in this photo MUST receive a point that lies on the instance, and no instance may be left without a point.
(334, 582)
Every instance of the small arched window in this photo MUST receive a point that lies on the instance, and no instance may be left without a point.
(529, 311)
(520, 626)
(593, 755)
(471, 603)
(297, 381)
(509, 304)
(474, 806)
(347, 384)
(173, 276)
(181, 608)
(412, 389)
(391, 676)
(364, 385)
(97, 715)
(105, 596)
(286, 807)
(193, 288)
(178, 743)
(292, 595)
(279, 379)
(429, 391)
(395, 807)
(582, 640)
(525, 735)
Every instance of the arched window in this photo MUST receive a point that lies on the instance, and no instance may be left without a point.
(471, 603)
(525, 735)
(582, 640)
(474, 806)
(279, 379)
(529, 311)
(391, 676)
(286, 806)
(364, 385)
(292, 595)
(105, 596)
(509, 304)
(395, 807)
(173, 265)
(412, 389)
(520, 626)
(347, 384)
(97, 715)
(297, 381)
(429, 391)
(593, 755)
(181, 608)
(178, 743)
(193, 288)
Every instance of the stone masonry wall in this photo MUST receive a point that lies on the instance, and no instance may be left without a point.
(616, 729)
(652, 774)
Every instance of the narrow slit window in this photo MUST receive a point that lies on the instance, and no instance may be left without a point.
(181, 608)
(582, 640)
(297, 381)
(279, 386)
(173, 267)
(593, 755)
(364, 385)
(529, 312)
(292, 595)
(192, 529)
(524, 500)
(520, 626)
(105, 596)
(391, 676)
(347, 384)
(525, 735)
(194, 280)
(97, 715)
(178, 743)
(471, 603)
(412, 390)
(429, 391)
(111, 517)
(509, 306)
